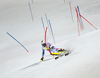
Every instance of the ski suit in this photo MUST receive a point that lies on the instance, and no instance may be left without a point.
(51, 48)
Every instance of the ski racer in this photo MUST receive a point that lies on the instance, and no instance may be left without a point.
(46, 46)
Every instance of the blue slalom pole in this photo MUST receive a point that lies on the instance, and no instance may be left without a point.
(17, 41)
(79, 16)
(30, 10)
(51, 30)
(47, 21)
(43, 24)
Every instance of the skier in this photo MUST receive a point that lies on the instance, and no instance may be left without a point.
(46, 46)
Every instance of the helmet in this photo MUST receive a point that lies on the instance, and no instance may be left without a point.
(43, 43)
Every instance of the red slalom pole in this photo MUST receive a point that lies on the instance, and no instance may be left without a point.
(46, 42)
(88, 21)
(78, 21)
(45, 34)
(71, 11)
(64, 1)
(81, 23)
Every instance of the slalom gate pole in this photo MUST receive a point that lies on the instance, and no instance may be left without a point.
(88, 22)
(51, 31)
(32, 1)
(81, 23)
(71, 11)
(31, 11)
(17, 41)
(47, 22)
(64, 1)
(43, 24)
(46, 42)
(77, 21)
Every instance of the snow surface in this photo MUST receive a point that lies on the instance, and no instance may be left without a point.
(15, 18)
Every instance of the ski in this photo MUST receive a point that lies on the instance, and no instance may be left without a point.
(62, 54)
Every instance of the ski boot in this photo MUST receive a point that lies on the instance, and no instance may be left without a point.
(42, 58)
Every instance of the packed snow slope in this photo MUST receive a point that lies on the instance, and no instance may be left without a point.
(15, 18)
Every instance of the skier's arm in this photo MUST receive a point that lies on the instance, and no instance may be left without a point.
(49, 45)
